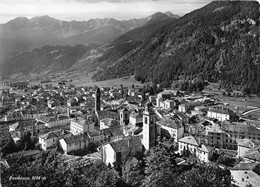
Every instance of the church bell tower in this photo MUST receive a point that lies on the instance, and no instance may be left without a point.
(149, 127)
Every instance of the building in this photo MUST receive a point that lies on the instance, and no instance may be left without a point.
(253, 155)
(108, 122)
(102, 114)
(244, 145)
(190, 146)
(80, 126)
(183, 108)
(199, 110)
(74, 143)
(149, 127)
(54, 121)
(136, 118)
(205, 152)
(97, 100)
(239, 130)
(117, 151)
(222, 114)
(124, 116)
(170, 128)
(50, 140)
(169, 104)
(22, 126)
(60, 110)
(246, 174)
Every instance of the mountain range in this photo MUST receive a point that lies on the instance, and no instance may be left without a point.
(22, 34)
(59, 45)
(218, 43)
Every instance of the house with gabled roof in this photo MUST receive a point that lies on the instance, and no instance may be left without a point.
(119, 150)
(190, 145)
(54, 121)
(50, 139)
(253, 155)
(107, 122)
(170, 128)
(205, 152)
(80, 125)
(74, 143)
(246, 174)
(244, 145)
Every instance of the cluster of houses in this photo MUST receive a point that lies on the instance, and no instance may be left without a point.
(118, 121)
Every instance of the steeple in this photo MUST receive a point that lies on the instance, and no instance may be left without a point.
(97, 99)
(149, 127)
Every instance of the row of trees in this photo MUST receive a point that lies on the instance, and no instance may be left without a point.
(156, 168)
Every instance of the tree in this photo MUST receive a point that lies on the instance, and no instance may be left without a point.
(160, 167)
(205, 175)
(245, 90)
(109, 178)
(133, 172)
(226, 160)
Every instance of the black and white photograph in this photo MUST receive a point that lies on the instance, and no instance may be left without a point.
(129, 93)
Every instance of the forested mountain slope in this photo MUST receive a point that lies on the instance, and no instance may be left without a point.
(219, 42)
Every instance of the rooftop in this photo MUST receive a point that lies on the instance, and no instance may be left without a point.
(126, 143)
(189, 140)
(76, 138)
(173, 123)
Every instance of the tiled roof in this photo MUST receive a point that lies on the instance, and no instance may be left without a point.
(126, 144)
(113, 131)
(173, 123)
(25, 123)
(253, 154)
(246, 166)
(248, 143)
(39, 123)
(107, 113)
(110, 122)
(52, 134)
(206, 148)
(221, 110)
(240, 127)
(189, 140)
(81, 122)
(76, 138)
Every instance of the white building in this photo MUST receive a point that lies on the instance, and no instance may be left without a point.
(189, 145)
(119, 150)
(80, 126)
(244, 145)
(54, 121)
(74, 143)
(170, 128)
(50, 140)
(221, 114)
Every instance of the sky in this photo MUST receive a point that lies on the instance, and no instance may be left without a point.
(89, 9)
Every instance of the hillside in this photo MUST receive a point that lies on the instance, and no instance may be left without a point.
(219, 43)
(23, 34)
(48, 58)
(79, 58)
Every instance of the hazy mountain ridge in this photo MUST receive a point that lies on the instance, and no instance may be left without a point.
(48, 58)
(22, 34)
(219, 42)
(67, 57)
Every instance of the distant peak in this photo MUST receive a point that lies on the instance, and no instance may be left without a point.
(170, 14)
(44, 18)
(18, 20)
